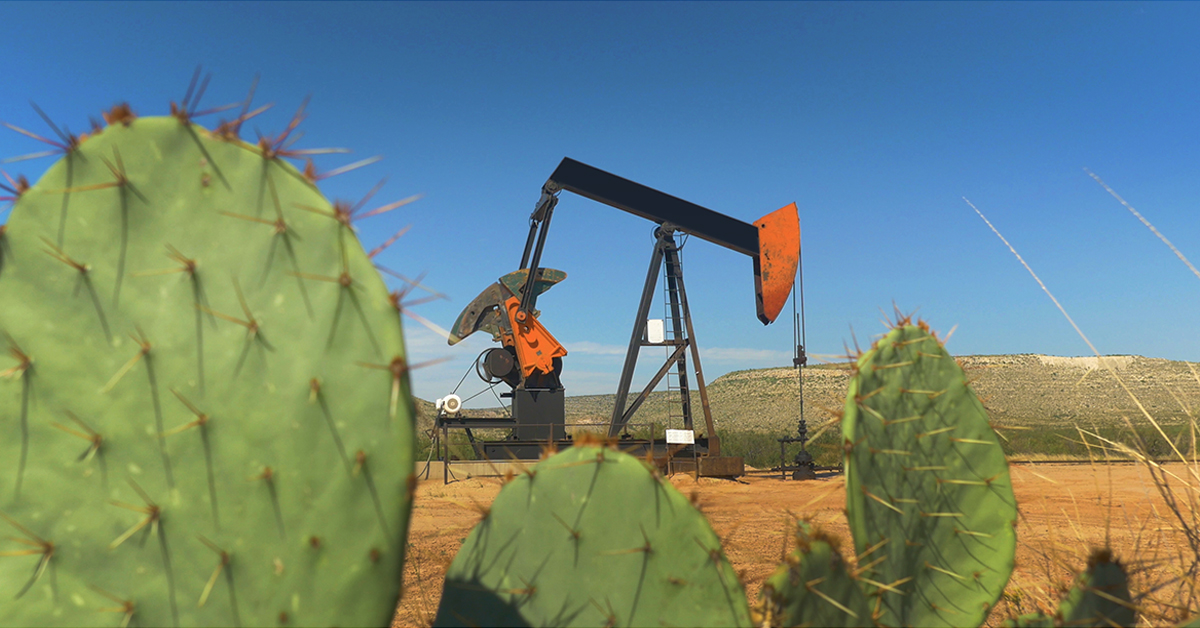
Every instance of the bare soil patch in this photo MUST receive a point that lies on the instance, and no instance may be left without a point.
(1065, 511)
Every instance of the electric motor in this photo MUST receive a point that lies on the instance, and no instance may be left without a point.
(450, 405)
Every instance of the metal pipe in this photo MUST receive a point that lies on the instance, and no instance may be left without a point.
(529, 293)
(533, 227)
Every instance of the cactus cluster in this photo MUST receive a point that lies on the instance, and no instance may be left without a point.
(928, 498)
(593, 537)
(205, 415)
(930, 507)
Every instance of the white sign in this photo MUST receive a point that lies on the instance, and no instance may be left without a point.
(655, 332)
(681, 437)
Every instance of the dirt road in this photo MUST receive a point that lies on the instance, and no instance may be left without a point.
(1065, 510)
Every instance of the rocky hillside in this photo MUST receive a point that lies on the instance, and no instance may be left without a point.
(1028, 390)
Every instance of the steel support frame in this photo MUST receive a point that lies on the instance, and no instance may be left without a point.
(666, 251)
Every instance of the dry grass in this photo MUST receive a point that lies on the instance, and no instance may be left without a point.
(1165, 585)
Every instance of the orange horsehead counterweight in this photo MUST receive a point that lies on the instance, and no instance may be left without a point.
(775, 264)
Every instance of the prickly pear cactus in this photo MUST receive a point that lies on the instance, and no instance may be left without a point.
(928, 495)
(592, 537)
(815, 587)
(204, 413)
(1100, 597)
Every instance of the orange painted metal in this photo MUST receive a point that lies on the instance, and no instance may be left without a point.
(777, 260)
(536, 348)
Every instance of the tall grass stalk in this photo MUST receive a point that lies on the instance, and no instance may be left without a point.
(1173, 597)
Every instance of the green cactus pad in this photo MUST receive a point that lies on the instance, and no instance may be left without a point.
(927, 485)
(814, 587)
(1101, 596)
(591, 537)
(200, 425)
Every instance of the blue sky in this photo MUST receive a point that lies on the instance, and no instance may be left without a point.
(876, 119)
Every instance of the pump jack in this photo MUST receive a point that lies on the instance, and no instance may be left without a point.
(530, 358)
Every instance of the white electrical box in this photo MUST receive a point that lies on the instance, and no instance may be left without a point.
(681, 437)
(655, 331)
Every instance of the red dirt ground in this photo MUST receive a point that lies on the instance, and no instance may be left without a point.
(1065, 511)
